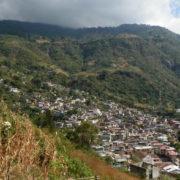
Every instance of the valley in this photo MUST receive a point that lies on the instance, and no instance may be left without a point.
(120, 83)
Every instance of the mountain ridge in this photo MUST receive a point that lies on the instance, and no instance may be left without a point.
(9, 26)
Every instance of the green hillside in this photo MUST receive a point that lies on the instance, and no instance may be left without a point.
(128, 68)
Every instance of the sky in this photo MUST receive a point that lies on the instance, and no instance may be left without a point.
(93, 13)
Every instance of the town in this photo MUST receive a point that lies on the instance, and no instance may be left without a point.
(132, 139)
(138, 141)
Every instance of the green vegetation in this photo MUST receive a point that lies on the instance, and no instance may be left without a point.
(83, 135)
(177, 146)
(28, 152)
(139, 68)
(132, 65)
(178, 135)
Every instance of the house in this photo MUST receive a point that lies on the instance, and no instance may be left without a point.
(95, 121)
(119, 162)
(163, 138)
(14, 90)
(145, 170)
(98, 149)
(152, 159)
(171, 168)
(143, 148)
(172, 155)
(106, 137)
(59, 124)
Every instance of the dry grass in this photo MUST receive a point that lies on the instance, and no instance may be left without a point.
(101, 168)
(25, 151)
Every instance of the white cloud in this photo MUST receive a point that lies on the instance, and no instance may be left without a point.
(81, 13)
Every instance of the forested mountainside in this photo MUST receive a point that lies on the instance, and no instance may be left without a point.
(132, 64)
(27, 29)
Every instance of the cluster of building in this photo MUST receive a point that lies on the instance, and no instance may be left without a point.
(128, 136)
(131, 138)
(11, 89)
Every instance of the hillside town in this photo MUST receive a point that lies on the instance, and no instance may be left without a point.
(129, 136)
(138, 141)
(135, 140)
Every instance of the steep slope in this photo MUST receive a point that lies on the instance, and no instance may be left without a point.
(131, 63)
(167, 41)
(136, 65)
(125, 67)
(28, 152)
(25, 67)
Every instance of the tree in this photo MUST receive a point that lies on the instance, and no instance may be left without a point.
(45, 120)
(178, 135)
(84, 135)
(108, 159)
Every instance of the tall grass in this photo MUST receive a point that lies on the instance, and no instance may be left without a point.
(25, 151)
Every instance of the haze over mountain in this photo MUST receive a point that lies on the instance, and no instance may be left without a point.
(93, 13)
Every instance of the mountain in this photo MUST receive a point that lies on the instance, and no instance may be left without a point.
(50, 75)
(26, 29)
(131, 64)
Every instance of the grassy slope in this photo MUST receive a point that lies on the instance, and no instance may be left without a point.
(25, 150)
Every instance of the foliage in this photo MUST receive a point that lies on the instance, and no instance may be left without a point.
(28, 152)
(45, 120)
(177, 146)
(78, 169)
(178, 135)
(83, 135)
(138, 67)
(109, 160)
